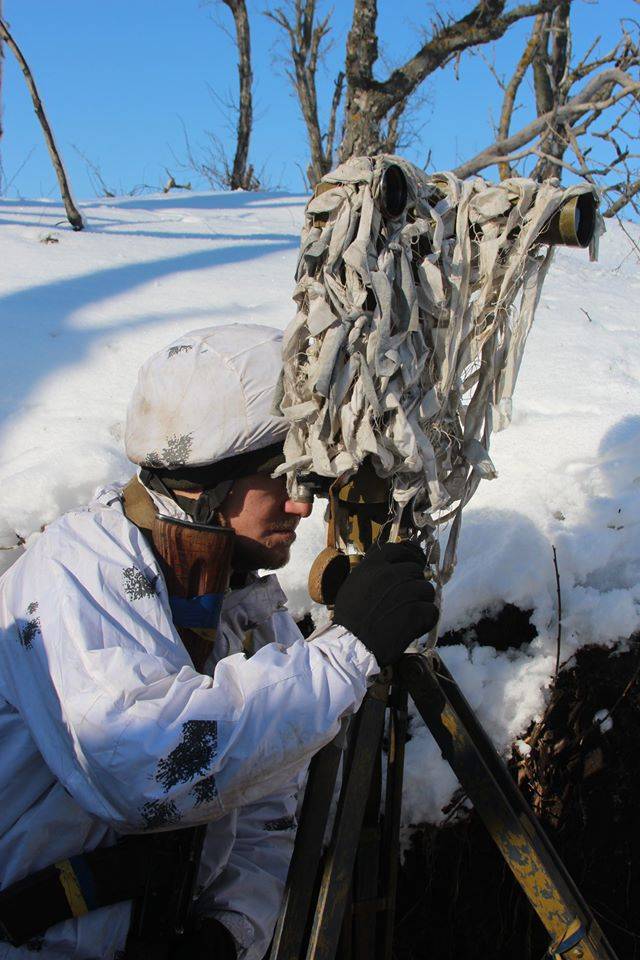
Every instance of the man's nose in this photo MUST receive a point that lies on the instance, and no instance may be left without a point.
(299, 508)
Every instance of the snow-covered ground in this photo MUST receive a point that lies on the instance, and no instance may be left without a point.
(80, 311)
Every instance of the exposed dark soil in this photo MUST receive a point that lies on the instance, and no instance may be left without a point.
(458, 900)
(510, 627)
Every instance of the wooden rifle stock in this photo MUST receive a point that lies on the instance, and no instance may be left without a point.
(196, 563)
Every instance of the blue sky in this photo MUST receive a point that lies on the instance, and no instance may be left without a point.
(120, 79)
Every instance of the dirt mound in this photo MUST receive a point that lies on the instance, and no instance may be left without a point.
(458, 900)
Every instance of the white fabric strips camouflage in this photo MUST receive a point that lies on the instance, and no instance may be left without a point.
(409, 333)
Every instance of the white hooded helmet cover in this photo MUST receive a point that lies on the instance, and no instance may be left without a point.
(207, 396)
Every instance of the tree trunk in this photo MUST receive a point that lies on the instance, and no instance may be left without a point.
(241, 174)
(73, 215)
(549, 69)
(362, 135)
(370, 102)
(362, 124)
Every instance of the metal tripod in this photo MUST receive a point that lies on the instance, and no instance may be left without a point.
(345, 900)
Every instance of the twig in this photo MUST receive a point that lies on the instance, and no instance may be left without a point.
(559, 637)
(95, 170)
(172, 185)
(627, 234)
(10, 183)
(590, 319)
(631, 190)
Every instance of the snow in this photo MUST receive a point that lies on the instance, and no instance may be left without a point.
(78, 317)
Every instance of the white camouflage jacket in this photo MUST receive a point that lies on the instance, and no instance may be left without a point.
(106, 727)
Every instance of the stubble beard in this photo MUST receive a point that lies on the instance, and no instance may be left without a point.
(249, 555)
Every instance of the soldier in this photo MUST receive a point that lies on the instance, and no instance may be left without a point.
(109, 730)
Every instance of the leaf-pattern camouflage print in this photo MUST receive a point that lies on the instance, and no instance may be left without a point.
(192, 756)
(152, 460)
(175, 454)
(179, 348)
(30, 628)
(204, 791)
(137, 585)
(159, 813)
(282, 823)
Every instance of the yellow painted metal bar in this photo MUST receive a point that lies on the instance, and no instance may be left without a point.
(574, 932)
(72, 890)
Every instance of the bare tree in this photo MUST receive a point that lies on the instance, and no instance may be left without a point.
(241, 176)
(370, 103)
(306, 36)
(212, 161)
(565, 131)
(73, 215)
(374, 109)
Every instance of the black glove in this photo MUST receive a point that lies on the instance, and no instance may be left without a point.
(208, 938)
(386, 602)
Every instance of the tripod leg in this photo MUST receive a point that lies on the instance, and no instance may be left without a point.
(392, 810)
(292, 922)
(518, 835)
(365, 907)
(338, 868)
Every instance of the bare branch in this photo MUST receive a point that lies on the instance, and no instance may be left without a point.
(73, 215)
(552, 86)
(369, 102)
(94, 172)
(629, 192)
(10, 181)
(306, 38)
(512, 88)
(335, 105)
(559, 596)
(486, 22)
(576, 107)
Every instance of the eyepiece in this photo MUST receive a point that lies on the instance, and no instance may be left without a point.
(573, 224)
(312, 485)
(393, 192)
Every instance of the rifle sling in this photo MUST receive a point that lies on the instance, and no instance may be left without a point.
(138, 506)
(71, 888)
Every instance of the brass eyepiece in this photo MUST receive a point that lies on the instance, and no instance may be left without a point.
(573, 224)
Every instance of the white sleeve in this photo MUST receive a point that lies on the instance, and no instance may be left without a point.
(247, 894)
(93, 664)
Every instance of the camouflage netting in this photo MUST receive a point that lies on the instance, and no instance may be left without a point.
(410, 331)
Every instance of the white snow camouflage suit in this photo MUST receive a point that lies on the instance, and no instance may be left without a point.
(97, 695)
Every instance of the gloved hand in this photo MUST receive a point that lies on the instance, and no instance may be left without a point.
(209, 938)
(386, 602)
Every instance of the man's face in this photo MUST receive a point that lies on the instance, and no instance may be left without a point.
(264, 520)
